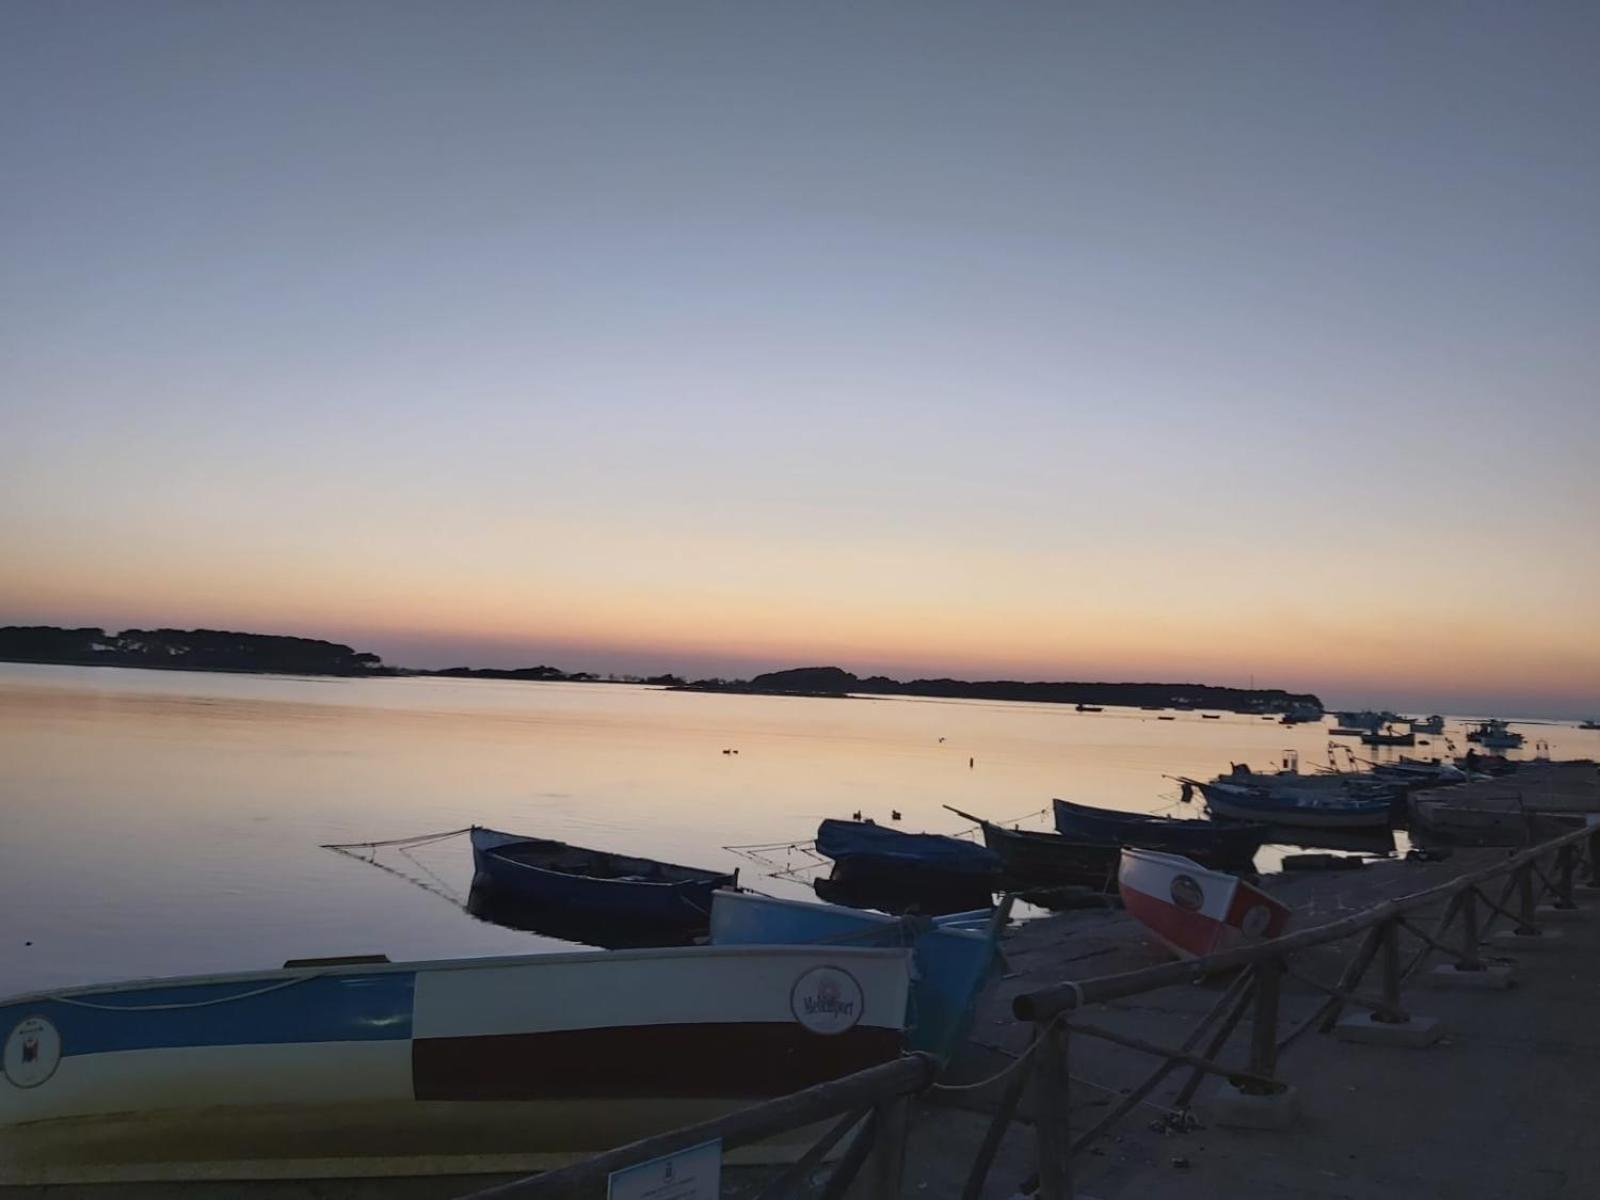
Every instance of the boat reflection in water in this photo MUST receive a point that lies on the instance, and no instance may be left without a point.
(905, 893)
(1352, 841)
(896, 872)
(606, 931)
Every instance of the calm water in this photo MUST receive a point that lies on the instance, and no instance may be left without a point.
(166, 822)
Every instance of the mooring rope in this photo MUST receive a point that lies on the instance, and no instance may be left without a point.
(422, 839)
(1018, 1061)
(277, 986)
(405, 845)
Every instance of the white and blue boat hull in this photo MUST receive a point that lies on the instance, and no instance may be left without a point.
(954, 956)
(538, 1055)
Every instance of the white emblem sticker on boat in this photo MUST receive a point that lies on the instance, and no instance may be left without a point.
(1256, 920)
(33, 1050)
(826, 1000)
(1186, 893)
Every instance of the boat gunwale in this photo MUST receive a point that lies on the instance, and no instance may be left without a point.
(881, 919)
(299, 974)
(1155, 821)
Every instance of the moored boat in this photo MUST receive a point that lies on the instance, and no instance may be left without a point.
(1216, 843)
(1495, 735)
(875, 867)
(1312, 807)
(1033, 859)
(1196, 912)
(1389, 739)
(596, 883)
(954, 956)
(474, 1061)
(868, 846)
(1416, 772)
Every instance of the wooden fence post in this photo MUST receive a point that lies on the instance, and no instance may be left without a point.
(1052, 1125)
(1264, 1023)
(1527, 920)
(886, 1167)
(1353, 972)
(1566, 865)
(1470, 934)
(1391, 1012)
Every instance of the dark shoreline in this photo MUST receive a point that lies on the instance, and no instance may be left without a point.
(978, 691)
(236, 652)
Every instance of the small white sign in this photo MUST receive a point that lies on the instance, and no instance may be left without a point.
(32, 1052)
(692, 1174)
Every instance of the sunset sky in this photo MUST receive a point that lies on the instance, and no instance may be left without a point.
(1128, 341)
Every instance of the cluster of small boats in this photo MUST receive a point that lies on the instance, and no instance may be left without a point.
(487, 1063)
(708, 996)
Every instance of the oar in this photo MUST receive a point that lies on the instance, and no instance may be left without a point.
(968, 816)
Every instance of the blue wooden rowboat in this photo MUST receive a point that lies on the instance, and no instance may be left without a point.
(572, 879)
(955, 956)
(1210, 843)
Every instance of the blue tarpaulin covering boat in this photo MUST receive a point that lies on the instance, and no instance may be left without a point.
(555, 875)
(955, 956)
(1210, 843)
(862, 841)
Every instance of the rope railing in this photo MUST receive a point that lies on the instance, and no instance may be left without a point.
(880, 1093)
(871, 1107)
(1046, 1002)
(1548, 869)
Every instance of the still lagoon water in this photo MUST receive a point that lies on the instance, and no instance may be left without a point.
(162, 823)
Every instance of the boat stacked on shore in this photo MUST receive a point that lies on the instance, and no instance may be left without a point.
(339, 1067)
(708, 996)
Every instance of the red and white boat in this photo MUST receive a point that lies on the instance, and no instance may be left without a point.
(1194, 911)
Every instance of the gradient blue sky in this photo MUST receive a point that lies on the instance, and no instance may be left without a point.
(1043, 340)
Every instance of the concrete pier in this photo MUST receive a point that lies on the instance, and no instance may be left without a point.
(1501, 1103)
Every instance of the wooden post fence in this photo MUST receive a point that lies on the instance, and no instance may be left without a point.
(874, 1106)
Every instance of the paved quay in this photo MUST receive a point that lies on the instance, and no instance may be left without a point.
(1505, 1104)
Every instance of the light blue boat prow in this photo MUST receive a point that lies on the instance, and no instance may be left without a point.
(954, 956)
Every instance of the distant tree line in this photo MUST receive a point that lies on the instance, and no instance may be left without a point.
(835, 681)
(542, 674)
(222, 650)
(185, 649)
(538, 674)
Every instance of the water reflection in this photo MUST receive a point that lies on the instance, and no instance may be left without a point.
(1350, 841)
(911, 893)
(166, 822)
(583, 929)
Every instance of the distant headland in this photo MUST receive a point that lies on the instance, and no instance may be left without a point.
(834, 681)
(185, 650)
(225, 650)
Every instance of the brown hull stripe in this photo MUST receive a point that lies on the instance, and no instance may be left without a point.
(643, 1060)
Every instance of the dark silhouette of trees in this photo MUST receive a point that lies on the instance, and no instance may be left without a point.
(185, 649)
